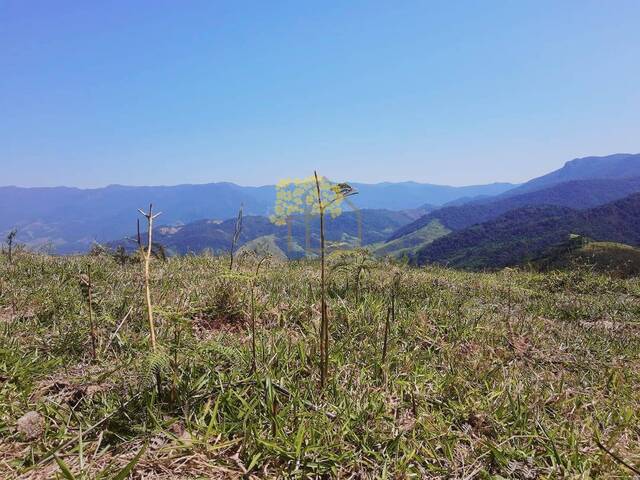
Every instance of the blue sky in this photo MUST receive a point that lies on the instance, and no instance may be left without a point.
(167, 92)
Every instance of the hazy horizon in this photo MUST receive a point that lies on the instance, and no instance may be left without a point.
(96, 187)
(450, 94)
(241, 184)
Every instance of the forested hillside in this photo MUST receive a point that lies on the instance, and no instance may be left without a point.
(525, 234)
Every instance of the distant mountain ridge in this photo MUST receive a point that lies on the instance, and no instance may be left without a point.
(577, 194)
(406, 195)
(616, 166)
(570, 186)
(70, 219)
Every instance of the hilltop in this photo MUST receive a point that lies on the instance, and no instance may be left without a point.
(616, 166)
(577, 252)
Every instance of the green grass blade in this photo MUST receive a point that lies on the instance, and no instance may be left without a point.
(124, 473)
(66, 472)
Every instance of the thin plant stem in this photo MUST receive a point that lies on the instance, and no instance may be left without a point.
(91, 322)
(324, 329)
(10, 238)
(391, 317)
(386, 336)
(236, 236)
(147, 259)
(253, 317)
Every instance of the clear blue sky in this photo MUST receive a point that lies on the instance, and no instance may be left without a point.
(167, 92)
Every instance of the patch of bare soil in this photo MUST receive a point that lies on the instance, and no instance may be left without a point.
(63, 391)
(209, 328)
(5, 315)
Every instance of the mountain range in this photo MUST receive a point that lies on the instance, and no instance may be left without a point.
(69, 220)
(616, 166)
(477, 227)
(572, 186)
(577, 194)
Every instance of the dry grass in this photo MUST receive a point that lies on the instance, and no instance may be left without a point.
(512, 374)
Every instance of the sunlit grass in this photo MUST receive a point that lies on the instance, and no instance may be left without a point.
(513, 373)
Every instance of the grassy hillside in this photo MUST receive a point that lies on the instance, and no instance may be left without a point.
(503, 375)
(269, 246)
(407, 245)
(609, 257)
